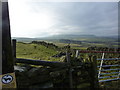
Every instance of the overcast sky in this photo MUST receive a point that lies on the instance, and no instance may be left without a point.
(41, 19)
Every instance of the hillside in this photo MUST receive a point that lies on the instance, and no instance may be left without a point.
(35, 51)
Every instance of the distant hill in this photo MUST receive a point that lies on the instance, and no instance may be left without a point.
(53, 37)
(68, 36)
(23, 39)
(83, 38)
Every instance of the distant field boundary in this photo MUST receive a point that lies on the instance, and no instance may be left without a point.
(81, 51)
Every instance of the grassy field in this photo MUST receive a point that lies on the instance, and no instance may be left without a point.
(40, 52)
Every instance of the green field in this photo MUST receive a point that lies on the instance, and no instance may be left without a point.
(40, 52)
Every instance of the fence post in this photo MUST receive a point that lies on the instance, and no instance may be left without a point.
(70, 69)
(101, 65)
(14, 47)
(94, 73)
(76, 53)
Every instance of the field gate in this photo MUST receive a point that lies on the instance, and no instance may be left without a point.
(104, 74)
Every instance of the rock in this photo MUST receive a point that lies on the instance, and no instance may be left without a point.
(44, 85)
(32, 72)
(37, 72)
(60, 54)
(19, 68)
(62, 59)
(39, 79)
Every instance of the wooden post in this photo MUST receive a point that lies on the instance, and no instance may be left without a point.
(70, 69)
(14, 47)
(7, 52)
(6, 41)
(101, 65)
(94, 73)
(76, 53)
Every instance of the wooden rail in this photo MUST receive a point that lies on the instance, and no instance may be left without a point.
(108, 76)
(109, 69)
(42, 62)
(109, 73)
(109, 65)
(109, 80)
(109, 59)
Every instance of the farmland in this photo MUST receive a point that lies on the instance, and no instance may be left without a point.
(55, 50)
(25, 49)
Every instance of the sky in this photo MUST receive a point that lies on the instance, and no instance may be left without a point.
(43, 19)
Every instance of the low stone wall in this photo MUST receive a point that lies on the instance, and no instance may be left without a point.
(38, 77)
(46, 77)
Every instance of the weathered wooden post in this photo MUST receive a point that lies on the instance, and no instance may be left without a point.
(8, 75)
(77, 52)
(70, 69)
(14, 47)
(101, 65)
(94, 73)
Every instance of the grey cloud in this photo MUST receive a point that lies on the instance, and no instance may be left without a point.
(92, 17)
